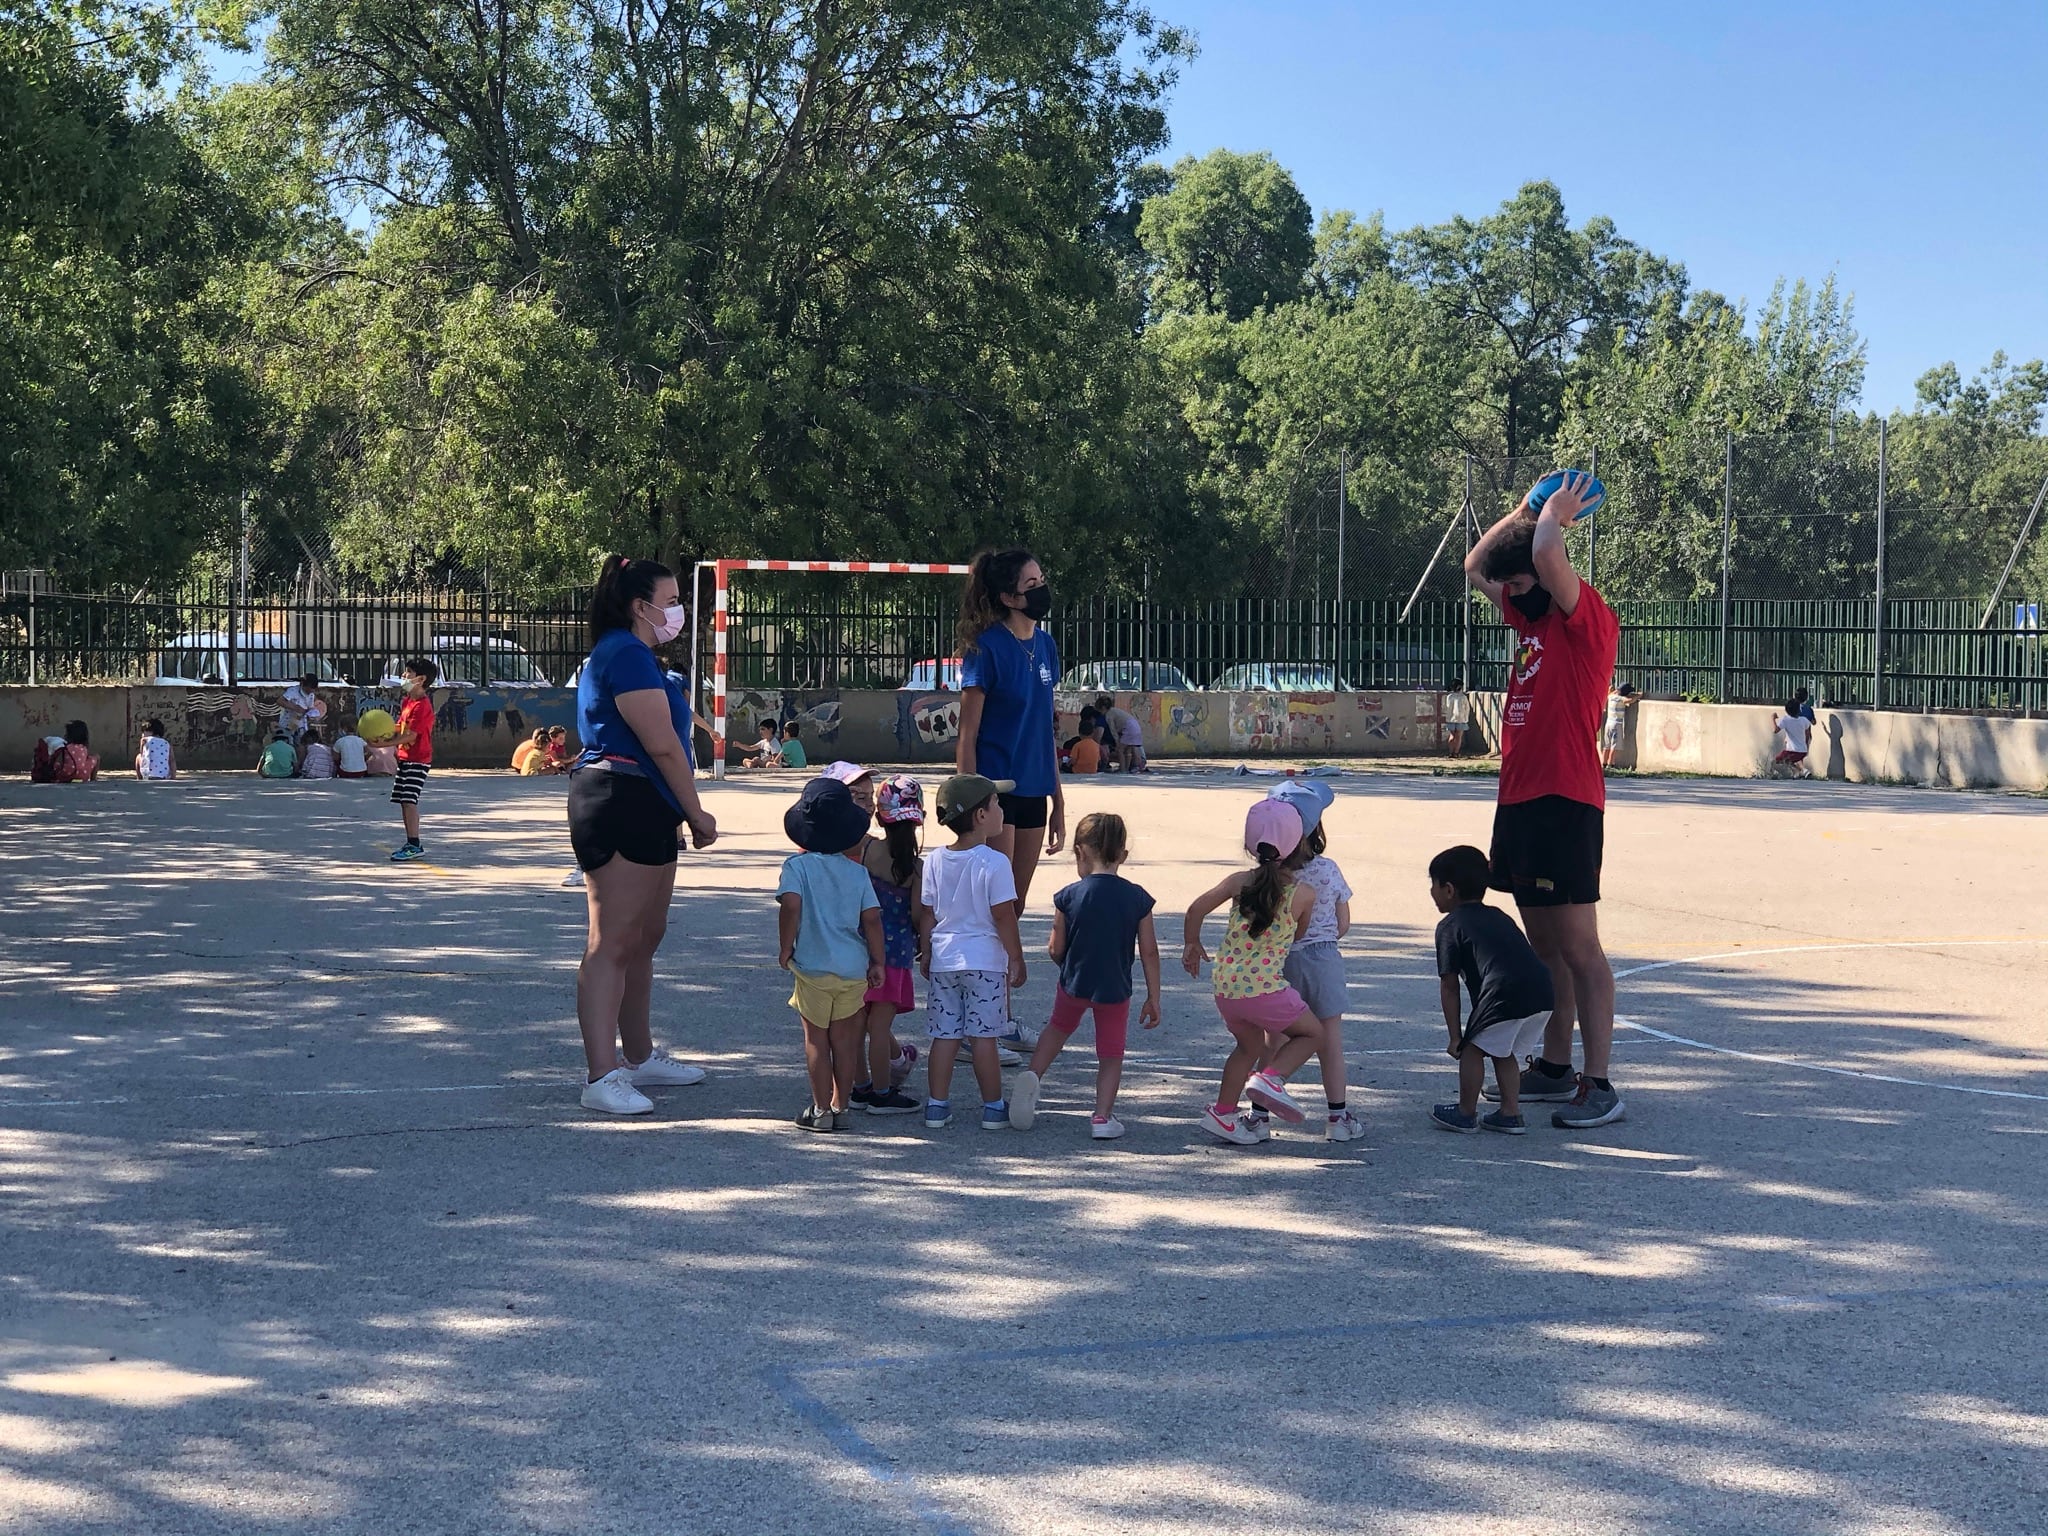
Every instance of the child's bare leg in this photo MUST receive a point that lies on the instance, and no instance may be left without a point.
(845, 1043)
(1304, 1039)
(939, 1074)
(1237, 1066)
(1109, 1076)
(410, 815)
(1508, 1073)
(818, 1063)
(1051, 1042)
(988, 1069)
(1331, 1055)
(881, 1042)
(1471, 1074)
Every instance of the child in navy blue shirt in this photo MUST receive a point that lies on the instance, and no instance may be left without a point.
(1510, 987)
(1098, 923)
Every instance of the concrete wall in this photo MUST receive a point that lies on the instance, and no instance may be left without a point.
(1861, 746)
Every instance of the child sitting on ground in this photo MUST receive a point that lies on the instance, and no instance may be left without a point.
(1098, 923)
(793, 754)
(968, 946)
(529, 757)
(1510, 989)
(351, 755)
(767, 751)
(830, 926)
(316, 758)
(277, 759)
(1267, 1019)
(154, 759)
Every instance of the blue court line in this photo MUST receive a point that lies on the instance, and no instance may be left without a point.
(786, 1381)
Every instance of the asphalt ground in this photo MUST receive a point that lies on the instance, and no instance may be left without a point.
(302, 1227)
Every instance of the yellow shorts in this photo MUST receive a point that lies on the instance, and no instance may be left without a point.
(820, 998)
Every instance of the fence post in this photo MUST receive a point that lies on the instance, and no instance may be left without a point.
(1727, 543)
(1877, 616)
(1337, 659)
(1145, 634)
(1464, 586)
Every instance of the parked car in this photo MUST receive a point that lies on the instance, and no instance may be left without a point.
(1124, 677)
(933, 677)
(201, 661)
(1280, 677)
(1398, 665)
(462, 659)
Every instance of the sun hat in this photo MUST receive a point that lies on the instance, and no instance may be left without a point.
(964, 791)
(899, 801)
(848, 773)
(825, 818)
(1309, 797)
(1274, 822)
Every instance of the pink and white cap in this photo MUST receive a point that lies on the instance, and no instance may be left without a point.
(847, 773)
(1273, 822)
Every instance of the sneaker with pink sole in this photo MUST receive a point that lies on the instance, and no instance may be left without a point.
(1271, 1092)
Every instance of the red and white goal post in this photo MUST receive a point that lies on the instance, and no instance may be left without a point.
(722, 572)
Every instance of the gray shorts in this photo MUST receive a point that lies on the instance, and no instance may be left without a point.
(971, 1005)
(1316, 971)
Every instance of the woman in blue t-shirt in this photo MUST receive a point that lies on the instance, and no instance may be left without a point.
(1008, 727)
(630, 789)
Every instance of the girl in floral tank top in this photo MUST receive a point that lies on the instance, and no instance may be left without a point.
(893, 865)
(1266, 1017)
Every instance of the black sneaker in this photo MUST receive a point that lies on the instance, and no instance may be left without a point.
(1539, 1086)
(815, 1119)
(862, 1098)
(890, 1103)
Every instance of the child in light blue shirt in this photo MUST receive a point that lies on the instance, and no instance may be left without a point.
(830, 926)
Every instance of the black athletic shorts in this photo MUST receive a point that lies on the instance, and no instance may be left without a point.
(619, 813)
(1026, 811)
(1546, 852)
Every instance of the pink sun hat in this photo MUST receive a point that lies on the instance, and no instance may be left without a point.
(1273, 822)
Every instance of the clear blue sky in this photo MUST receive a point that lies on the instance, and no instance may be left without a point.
(1903, 148)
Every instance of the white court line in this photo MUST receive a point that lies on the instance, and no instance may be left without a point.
(1814, 1066)
(260, 1093)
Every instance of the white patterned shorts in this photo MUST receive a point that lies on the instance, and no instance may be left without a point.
(971, 1005)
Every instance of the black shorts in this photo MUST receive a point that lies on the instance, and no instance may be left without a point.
(1546, 852)
(411, 779)
(1028, 812)
(619, 813)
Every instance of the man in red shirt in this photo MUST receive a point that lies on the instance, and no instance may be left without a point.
(1548, 829)
(415, 742)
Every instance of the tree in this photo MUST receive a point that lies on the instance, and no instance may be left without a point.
(1533, 294)
(1230, 237)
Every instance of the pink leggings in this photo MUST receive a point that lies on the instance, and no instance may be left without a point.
(1112, 1022)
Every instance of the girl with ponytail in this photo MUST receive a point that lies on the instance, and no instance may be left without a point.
(1266, 1017)
(629, 791)
(1008, 725)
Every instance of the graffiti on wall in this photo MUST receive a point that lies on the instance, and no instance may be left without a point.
(1284, 722)
(926, 721)
(817, 716)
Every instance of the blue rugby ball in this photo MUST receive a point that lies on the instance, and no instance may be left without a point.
(1594, 492)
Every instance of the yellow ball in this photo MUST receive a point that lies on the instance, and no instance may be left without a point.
(375, 725)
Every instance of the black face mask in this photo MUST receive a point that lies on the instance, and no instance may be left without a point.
(1038, 603)
(1532, 604)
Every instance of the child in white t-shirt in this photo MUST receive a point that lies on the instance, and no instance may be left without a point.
(154, 758)
(968, 946)
(1797, 732)
(351, 755)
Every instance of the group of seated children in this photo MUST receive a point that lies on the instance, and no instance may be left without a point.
(66, 759)
(349, 756)
(548, 752)
(780, 746)
(1110, 738)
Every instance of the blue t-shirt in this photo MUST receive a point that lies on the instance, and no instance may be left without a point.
(622, 663)
(835, 892)
(1016, 736)
(1102, 913)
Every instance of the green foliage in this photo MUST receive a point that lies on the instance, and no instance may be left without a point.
(1230, 237)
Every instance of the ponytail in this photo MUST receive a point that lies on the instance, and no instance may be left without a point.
(900, 838)
(1264, 896)
(993, 573)
(621, 582)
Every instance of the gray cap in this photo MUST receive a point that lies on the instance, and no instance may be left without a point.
(1310, 797)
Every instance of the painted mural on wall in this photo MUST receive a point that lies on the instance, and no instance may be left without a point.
(221, 727)
(927, 724)
(818, 716)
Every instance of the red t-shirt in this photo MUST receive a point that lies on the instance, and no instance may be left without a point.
(1557, 689)
(417, 715)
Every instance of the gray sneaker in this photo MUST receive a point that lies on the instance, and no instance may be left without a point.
(1537, 1087)
(1589, 1107)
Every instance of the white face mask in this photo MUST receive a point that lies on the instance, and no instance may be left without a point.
(673, 617)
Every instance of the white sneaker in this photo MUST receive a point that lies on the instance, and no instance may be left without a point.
(1005, 1057)
(1230, 1128)
(1106, 1130)
(1345, 1126)
(662, 1070)
(573, 881)
(615, 1094)
(1024, 1100)
(1018, 1037)
(1268, 1090)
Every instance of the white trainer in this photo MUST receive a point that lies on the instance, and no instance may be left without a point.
(614, 1094)
(1106, 1130)
(1345, 1126)
(573, 881)
(662, 1070)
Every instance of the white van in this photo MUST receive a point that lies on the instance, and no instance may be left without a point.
(462, 660)
(201, 661)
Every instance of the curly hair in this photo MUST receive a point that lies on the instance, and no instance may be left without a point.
(994, 573)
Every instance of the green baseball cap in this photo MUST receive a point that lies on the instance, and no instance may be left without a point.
(964, 791)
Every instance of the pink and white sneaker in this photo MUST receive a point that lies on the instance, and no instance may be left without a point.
(1230, 1128)
(900, 1065)
(1271, 1092)
(1345, 1126)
